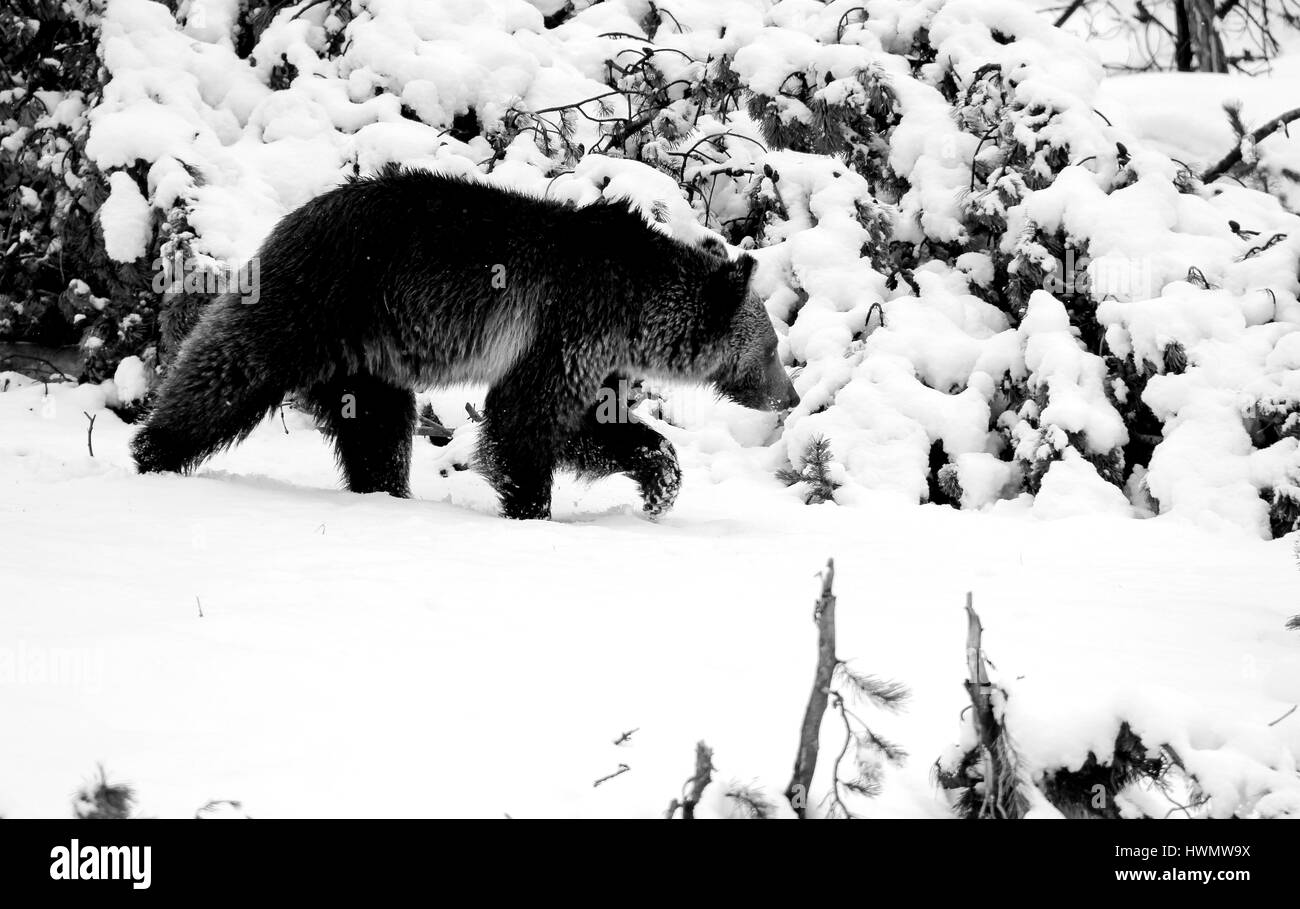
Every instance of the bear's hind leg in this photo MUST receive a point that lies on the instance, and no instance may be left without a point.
(371, 422)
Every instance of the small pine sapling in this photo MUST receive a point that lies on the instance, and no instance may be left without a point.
(815, 473)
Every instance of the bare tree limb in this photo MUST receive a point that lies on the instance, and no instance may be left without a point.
(1233, 158)
(1183, 50)
(1069, 11)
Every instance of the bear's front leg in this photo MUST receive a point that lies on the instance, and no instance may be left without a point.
(527, 415)
(517, 456)
(653, 465)
(601, 448)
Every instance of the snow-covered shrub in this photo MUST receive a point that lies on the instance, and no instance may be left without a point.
(985, 288)
(57, 282)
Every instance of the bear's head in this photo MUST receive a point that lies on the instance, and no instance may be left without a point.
(748, 370)
(698, 319)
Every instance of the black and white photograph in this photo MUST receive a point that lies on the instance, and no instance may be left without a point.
(650, 409)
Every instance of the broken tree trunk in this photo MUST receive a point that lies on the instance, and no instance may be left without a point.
(810, 733)
(1002, 795)
(697, 783)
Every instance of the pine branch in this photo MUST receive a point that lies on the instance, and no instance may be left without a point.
(884, 693)
(751, 802)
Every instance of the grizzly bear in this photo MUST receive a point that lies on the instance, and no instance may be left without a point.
(409, 279)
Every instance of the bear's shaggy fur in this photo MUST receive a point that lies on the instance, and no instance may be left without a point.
(409, 280)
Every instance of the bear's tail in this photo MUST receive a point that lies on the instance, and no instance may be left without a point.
(224, 382)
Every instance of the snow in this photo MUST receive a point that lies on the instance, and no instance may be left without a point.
(353, 648)
(125, 217)
(1071, 487)
(131, 380)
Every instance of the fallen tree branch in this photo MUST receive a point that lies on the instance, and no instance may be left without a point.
(433, 430)
(622, 769)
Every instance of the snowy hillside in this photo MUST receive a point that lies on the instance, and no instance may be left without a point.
(1049, 363)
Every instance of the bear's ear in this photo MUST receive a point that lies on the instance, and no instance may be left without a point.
(726, 291)
(742, 270)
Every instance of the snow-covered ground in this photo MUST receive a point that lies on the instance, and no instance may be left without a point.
(365, 656)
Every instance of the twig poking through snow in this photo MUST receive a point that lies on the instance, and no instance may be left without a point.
(200, 605)
(622, 769)
(1285, 715)
(90, 432)
(626, 736)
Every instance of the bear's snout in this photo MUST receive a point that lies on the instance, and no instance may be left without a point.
(785, 397)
